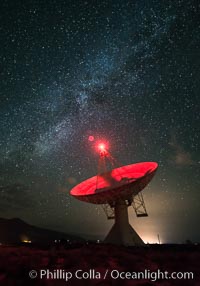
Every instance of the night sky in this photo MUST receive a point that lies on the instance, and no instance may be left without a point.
(127, 72)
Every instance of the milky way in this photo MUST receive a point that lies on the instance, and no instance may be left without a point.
(124, 71)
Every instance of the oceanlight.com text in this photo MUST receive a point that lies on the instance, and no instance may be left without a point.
(92, 274)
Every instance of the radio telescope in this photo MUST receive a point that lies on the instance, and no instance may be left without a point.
(116, 190)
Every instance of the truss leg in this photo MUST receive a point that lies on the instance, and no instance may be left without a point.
(139, 205)
(109, 211)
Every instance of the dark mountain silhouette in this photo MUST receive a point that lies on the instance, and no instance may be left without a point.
(15, 230)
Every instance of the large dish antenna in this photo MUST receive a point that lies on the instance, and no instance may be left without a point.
(116, 190)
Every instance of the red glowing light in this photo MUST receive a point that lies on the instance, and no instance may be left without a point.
(91, 138)
(102, 147)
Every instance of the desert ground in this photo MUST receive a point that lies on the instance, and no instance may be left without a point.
(16, 262)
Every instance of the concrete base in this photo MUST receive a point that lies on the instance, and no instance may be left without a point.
(122, 233)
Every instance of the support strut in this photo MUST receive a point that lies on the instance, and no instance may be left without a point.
(139, 205)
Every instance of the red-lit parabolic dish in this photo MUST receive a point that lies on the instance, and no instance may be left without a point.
(120, 183)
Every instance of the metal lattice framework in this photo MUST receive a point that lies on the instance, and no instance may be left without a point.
(137, 203)
(109, 211)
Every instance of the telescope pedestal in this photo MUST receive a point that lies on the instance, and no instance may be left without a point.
(122, 233)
